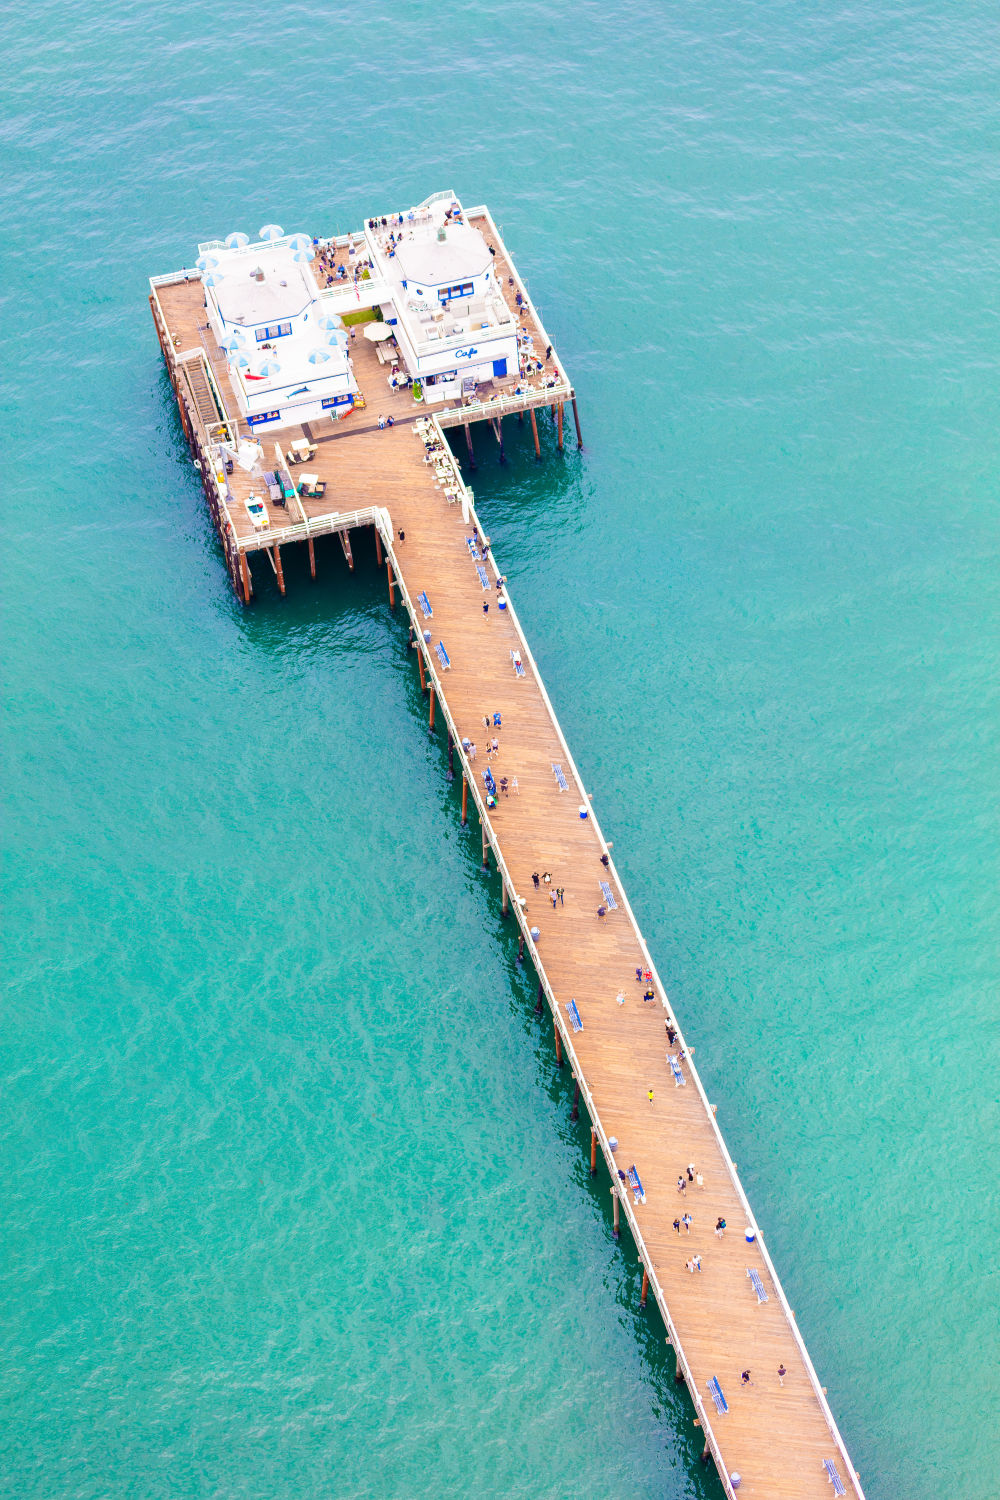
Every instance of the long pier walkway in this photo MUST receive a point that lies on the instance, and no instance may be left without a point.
(729, 1315)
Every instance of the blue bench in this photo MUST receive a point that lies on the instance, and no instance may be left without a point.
(608, 895)
(721, 1404)
(561, 781)
(573, 1011)
(757, 1285)
(425, 605)
(442, 655)
(483, 579)
(679, 1080)
(473, 546)
(834, 1477)
(635, 1183)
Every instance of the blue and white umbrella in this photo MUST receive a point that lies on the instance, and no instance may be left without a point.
(206, 262)
(338, 338)
(330, 320)
(234, 342)
(242, 361)
(237, 240)
(300, 242)
(212, 278)
(304, 255)
(319, 356)
(269, 367)
(272, 232)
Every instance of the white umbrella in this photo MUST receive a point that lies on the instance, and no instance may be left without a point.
(237, 240)
(234, 342)
(300, 242)
(269, 367)
(319, 356)
(272, 232)
(376, 332)
(304, 255)
(330, 320)
(241, 360)
(212, 278)
(206, 262)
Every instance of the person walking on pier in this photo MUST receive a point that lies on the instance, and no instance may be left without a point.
(555, 899)
(745, 1378)
(720, 1228)
(682, 1184)
(535, 879)
(677, 1225)
(560, 892)
(782, 1372)
(687, 1221)
(649, 1095)
(486, 606)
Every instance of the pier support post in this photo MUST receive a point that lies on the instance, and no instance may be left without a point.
(468, 444)
(423, 670)
(498, 430)
(615, 1229)
(534, 432)
(505, 902)
(245, 579)
(679, 1373)
(451, 757)
(278, 573)
(520, 949)
(345, 542)
(645, 1287)
(465, 801)
(392, 584)
(555, 1028)
(575, 1112)
(576, 419)
(559, 426)
(378, 547)
(430, 717)
(705, 1453)
(593, 1152)
(312, 557)
(541, 997)
(486, 847)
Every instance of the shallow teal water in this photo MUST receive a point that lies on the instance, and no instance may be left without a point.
(292, 1200)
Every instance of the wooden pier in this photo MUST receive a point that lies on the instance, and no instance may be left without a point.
(648, 1114)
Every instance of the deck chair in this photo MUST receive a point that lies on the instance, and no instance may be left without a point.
(679, 1080)
(442, 655)
(473, 547)
(425, 604)
(609, 899)
(721, 1404)
(574, 1015)
(757, 1285)
(483, 579)
(561, 781)
(517, 663)
(635, 1183)
(834, 1477)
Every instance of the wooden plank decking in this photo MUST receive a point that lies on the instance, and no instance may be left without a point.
(776, 1437)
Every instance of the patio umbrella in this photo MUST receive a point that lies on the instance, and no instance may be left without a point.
(330, 320)
(272, 232)
(300, 242)
(304, 255)
(376, 332)
(269, 367)
(212, 278)
(242, 361)
(234, 342)
(206, 262)
(339, 338)
(319, 356)
(237, 240)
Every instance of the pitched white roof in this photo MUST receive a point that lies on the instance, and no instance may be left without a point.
(461, 254)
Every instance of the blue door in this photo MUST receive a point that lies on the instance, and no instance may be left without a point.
(499, 369)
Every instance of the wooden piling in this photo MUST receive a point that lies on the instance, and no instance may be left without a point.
(392, 584)
(430, 718)
(505, 901)
(559, 1054)
(576, 419)
(378, 547)
(615, 1228)
(465, 801)
(468, 444)
(575, 1112)
(520, 948)
(541, 997)
(312, 557)
(245, 578)
(593, 1152)
(451, 757)
(345, 542)
(486, 847)
(534, 433)
(559, 427)
(278, 570)
(645, 1287)
(423, 670)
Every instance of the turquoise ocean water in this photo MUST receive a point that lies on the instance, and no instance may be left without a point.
(292, 1202)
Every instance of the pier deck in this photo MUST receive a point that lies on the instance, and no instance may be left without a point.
(776, 1437)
